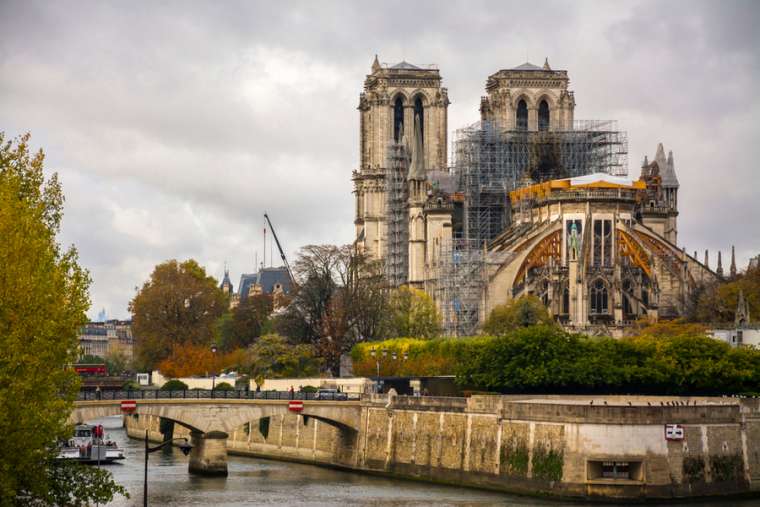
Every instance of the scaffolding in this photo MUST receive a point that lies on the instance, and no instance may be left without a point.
(397, 216)
(491, 162)
(458, 285)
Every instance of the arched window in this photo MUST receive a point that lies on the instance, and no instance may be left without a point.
(398, 119)
(419, 112)
(598, 296)
(543, 116)
(522, 115)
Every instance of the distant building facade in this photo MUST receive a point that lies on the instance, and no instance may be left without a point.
(105, 338)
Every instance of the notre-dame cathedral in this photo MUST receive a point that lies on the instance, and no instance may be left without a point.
(533, 202)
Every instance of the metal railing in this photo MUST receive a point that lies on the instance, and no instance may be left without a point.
(205, 394)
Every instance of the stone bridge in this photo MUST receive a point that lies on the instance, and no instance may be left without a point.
(211, 421)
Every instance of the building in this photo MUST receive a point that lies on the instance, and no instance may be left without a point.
(106, 338)
(534, 202)
(744, 332)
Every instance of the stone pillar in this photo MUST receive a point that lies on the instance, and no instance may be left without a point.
(209, 453)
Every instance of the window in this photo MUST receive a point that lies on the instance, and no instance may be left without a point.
(522, 115)
(615, 470)
(398, 119)
(598, 296)
(602, 243)
(543, 116)
(627, 298)
(419, 113)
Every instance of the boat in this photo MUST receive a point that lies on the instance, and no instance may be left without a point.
(89, 445)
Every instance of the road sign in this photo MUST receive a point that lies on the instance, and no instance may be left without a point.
(673, 432)
(128, 405)
(295, 405)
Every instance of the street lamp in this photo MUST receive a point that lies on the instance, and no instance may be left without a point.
(185, 447)
(213, 370)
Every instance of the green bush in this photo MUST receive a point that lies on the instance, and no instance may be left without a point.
(309, 389)
(547, 359)
(174, 385)
(130, 385)
(224, 386)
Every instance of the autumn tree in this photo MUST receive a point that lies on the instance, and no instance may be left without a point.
(716, 301)
(522, 312)
(43, 299)
(178, 305)
(338, 301)
(412, 313)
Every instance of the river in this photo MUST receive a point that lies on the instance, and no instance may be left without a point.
(254, 482)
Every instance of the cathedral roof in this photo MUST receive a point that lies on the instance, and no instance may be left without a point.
(405, 65)
(527, 66)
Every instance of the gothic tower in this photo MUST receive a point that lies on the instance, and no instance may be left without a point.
(393, 95)
(529, 97)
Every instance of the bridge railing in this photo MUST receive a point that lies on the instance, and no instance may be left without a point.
(201, 394)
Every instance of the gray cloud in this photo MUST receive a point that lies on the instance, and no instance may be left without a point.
(175, 125)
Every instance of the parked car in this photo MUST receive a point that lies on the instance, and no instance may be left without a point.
(330, 394)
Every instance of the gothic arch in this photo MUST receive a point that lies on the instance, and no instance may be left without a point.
(426, 101)
(599, 297)
(527, 97)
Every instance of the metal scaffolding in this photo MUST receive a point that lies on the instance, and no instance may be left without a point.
(396, 243)
(458, 286)
(491, 162)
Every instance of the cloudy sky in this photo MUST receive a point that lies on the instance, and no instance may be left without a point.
(175, 125)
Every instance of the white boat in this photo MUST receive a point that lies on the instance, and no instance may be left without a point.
(88, 445)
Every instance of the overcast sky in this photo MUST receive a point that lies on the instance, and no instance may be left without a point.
(175, 125)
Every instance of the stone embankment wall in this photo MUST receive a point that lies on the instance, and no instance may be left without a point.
(548, 445)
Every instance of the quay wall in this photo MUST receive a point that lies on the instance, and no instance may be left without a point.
(549, 445)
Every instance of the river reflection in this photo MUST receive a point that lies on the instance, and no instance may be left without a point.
(262, 482)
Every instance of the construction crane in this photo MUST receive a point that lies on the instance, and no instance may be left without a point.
(282, 253)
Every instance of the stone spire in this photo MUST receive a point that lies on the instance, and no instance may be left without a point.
(546, 64)
(376, 65)
(732, 269)
(719, 271)
(707, 260)
(668, 173)
(417, 166)
(659, 157)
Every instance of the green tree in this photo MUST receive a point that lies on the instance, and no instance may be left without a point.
(174, 385)
(117, 362)
(43, 299)
(412, 313)
(522, 312)
(272, 356)
(179, 304)
(241, 326)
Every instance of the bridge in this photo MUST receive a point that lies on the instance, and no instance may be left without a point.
(211, 416)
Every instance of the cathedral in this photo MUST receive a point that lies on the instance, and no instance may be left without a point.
(533, 202)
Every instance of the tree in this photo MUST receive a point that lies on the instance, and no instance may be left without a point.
(241, 326)
(117, 362)
(179, 305)
(339, 301)
(174, 385)
(187, 360)
(272, 356)
(522, 312)
(412, 313)
(43, 299)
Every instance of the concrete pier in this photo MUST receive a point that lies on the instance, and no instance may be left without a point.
(209, 453)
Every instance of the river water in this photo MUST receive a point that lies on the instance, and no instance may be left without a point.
(254, 482)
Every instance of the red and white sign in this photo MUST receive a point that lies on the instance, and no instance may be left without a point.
(673, 432)
(295, 405)
(128, 405)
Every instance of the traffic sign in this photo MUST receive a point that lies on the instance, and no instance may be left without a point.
(673, 432)
(295, 405)
(128, 405)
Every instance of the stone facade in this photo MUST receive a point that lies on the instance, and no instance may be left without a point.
(393, 96)
(582, 447)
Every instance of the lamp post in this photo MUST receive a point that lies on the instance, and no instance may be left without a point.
(376, 355)
(213, 370)
(184, 447)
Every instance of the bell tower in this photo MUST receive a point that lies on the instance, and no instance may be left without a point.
(393, 96)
